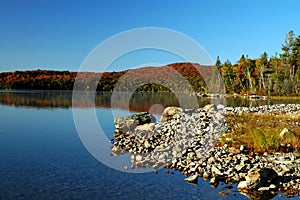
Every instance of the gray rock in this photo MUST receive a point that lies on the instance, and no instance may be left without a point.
(138, 158)
(132, 158)
(129, 123)
(258, 178)
(206, 175)
(210, 107)
(186, 142)
(169, 112)
(147, 144)
(220, 107)
(214, 181)
(272, 186)
(145, 127)
(115, 149)
(240, 167)
(223, 193)
(244, 149)
(216, 171)
(236, 178)
(143, 118)
(211, 160)
(284, 132)
(263, 189)
(252, 181)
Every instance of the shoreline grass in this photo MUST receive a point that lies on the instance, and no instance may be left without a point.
(261, 132)
(284, 97)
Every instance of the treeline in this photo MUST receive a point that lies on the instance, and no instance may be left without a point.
(56, 80)
(177, 76)
(267, 75)
(38, 80)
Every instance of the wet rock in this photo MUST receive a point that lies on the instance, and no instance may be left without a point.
(116, 149)
(192, 179)
(138, 158)
(132, 158)
(206, 175)
(223, 193)
(252, 181)
(214, 181)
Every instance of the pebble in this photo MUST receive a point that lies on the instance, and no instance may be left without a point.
(185, 142)
(223, 193)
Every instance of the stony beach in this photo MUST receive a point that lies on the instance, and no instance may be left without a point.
(189, 141)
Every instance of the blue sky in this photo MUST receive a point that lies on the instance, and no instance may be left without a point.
(59, 34)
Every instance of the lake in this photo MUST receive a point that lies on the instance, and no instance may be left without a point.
(42, 156)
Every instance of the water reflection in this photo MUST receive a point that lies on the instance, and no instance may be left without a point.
(140, 101)
(36, 99)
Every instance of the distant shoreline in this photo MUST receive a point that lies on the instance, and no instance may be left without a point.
(182, 76)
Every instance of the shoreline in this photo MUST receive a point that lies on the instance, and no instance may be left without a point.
(185, 141)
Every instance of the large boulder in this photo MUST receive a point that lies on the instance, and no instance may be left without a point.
(252, 181)
(168, 113)
(258, 178)
(143, 118)
(129, 123)
(210, 107)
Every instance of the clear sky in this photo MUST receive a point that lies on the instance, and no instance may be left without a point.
(59, 34)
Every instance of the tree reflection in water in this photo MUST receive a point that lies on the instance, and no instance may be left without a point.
(139, 101)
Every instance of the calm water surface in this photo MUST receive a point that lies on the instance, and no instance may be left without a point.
(42, 157)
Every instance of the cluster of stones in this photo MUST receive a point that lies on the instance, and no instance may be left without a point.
(184, 140)
(159, 143)
(267, 109)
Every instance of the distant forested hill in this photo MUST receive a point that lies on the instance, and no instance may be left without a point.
(248, 76)
(64, 80)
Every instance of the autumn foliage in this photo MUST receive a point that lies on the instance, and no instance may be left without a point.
(156, 79)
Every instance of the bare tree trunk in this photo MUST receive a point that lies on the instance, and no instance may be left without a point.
(249, 77)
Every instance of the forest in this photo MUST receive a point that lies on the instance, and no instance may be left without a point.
(278, 74)
(275, 75)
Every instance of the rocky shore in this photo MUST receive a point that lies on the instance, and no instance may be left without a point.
(185, 140)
